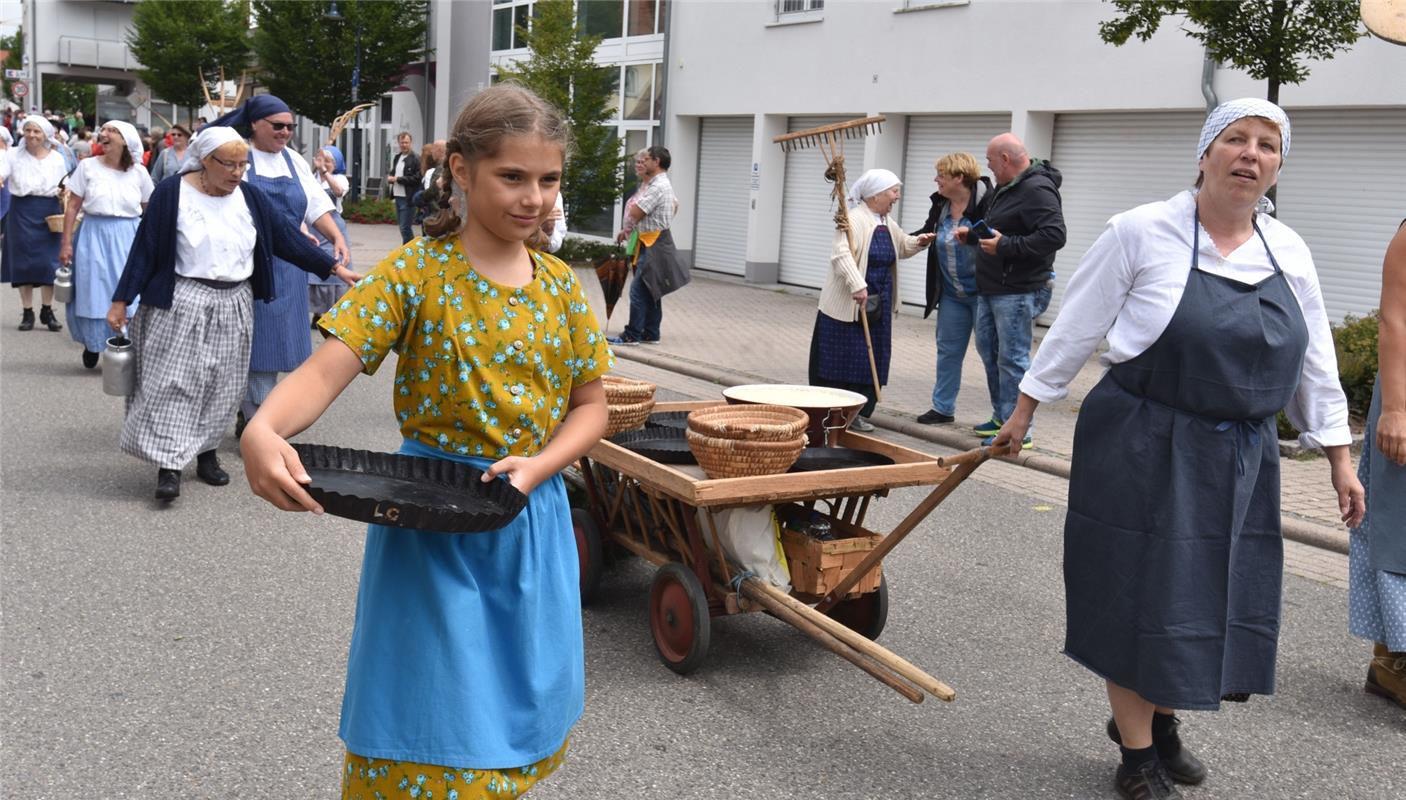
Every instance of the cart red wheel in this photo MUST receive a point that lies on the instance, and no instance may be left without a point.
(679, 618)
(588, 551)
(866, 614)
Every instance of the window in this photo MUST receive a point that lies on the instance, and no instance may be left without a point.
(604, 18)
(798, 6)
(643, 17)
(507, 18)
(639, 91)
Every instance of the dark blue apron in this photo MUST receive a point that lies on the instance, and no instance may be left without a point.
(1173, 556)
(281, 340)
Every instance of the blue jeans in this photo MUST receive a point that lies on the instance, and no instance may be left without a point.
(1005, 327)
(956, 317)
(646, 310)
(405, 217)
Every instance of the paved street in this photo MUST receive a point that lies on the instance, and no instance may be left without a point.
(199, 650)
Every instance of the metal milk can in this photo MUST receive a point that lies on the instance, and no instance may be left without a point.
(63, 284)
(119, 367)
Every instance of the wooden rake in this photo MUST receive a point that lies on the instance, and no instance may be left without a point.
(830, 139)
(340, 123)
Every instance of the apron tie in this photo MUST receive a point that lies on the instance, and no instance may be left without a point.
(1245, 427)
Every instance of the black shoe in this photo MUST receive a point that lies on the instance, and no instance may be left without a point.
(47, 319)
(90, 359)
(207, 468)
(1148, 782)
(27, 320)
(1181, 765)
(931, 417)
(168, 484)
(239, 423)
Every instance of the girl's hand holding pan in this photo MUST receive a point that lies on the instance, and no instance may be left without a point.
(274, 470)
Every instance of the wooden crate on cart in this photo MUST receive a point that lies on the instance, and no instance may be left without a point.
(816, 565)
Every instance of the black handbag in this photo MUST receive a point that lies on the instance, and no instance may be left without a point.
(873, 308)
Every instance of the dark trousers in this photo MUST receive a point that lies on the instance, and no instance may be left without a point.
(405, 217)
(646, 310)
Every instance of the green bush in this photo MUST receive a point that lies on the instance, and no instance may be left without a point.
(574, 250)
(1355, 341)
(370, 211)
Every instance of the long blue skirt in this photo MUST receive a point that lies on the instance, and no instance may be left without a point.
(98, 258)
(1376, 583)
(843, 355)
(30, 253)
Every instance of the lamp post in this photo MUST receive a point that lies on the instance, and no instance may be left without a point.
(334, 15)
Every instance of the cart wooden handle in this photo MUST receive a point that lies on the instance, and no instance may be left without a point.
(750, 588)
(859, 642)
(977, 454)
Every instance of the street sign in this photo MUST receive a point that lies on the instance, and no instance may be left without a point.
(12, 74)
(19, 90)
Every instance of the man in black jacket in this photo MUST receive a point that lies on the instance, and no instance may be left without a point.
(404, 181)
(1013, 276)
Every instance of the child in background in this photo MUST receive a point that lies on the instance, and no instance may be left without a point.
(466, 670)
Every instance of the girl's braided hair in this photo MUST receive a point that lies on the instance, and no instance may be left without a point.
(506, 109)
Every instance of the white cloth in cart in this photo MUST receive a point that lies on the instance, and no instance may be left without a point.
(750, 537)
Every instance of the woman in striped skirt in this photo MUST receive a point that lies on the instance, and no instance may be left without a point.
(33, 174)
(203, 254)
(112, 190)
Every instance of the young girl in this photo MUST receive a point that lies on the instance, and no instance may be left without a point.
(466, 669)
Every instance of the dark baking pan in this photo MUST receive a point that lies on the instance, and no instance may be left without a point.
(814, 459)
(665, 445)
(668, 419)
(431, 494)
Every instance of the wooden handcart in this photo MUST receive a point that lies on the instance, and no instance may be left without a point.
(666, 515)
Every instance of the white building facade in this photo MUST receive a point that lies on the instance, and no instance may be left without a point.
(1120, 123)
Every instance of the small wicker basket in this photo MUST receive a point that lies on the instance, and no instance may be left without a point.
(627, 416)
(740, 458)
(625, 391)
(761, 423)
(55, 222)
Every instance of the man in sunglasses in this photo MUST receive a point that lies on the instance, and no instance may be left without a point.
(281, 340)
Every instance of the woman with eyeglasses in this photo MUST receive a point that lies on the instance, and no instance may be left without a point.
(169, 160)
(281, 338)
(112, 191)
(204, 252)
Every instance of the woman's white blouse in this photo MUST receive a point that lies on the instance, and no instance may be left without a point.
(1128, 286)
(28, 176)
(215, 236)
(110, 192)
(272, 165)
(331, 181)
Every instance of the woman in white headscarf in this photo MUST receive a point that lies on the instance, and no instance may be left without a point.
(33, 174)
(111, 191)
(202, 256)
(863, 263)
(1173, 555)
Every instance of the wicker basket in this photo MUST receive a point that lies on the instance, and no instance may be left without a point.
(816, 566)
(741, 458)
(761, 423)
(627, 416)
(625, 391)
(55, 222)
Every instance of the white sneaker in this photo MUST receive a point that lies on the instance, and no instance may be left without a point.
(862, 425)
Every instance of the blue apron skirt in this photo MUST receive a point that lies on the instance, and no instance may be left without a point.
(1173, 555)
(99, 256)
(323, 293)
(30, 251)
(839, 356)
(1377, 547)
(281, 338)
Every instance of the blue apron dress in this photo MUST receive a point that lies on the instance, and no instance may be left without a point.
(99, 257)
(1173, 555)
(324, 292)
(839, 356)
(30, 255)
(281, 339)
(1377, 547)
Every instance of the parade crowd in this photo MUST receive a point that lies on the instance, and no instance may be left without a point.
(213, 250)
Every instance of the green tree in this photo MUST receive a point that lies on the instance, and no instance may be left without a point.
(308, 59)
(65, 97)
(14, 58)
(562, 69)
(179, 41)
(1270, 39)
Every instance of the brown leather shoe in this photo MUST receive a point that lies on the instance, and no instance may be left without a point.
(1386, 677)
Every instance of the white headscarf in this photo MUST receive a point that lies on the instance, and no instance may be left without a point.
(210, 139)
(1227, 113)
(870, 184)
(130, 136)
(43, 125)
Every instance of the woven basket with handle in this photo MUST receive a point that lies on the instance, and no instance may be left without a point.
(763, 423)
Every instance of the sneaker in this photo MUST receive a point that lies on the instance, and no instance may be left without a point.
(622, 340)
(990, 427)
(1148, 782)
(1024, 445)
(932, 417)
(649, 341)
(861, 425)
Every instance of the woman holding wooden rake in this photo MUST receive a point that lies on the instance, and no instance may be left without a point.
(863, 263)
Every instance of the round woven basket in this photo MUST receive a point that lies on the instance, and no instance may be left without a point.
(627, 416)
(762, 423)
(55, 222)
(741, 458)
(624, 391)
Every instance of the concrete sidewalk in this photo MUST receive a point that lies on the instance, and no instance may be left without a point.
(722, 330)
